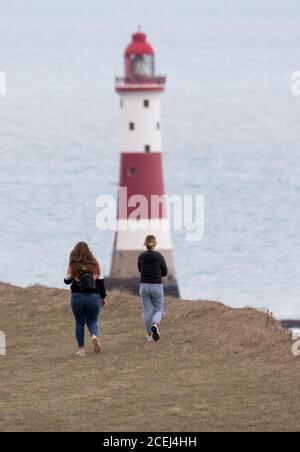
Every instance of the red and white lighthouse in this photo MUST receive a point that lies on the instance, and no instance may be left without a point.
(141, 166)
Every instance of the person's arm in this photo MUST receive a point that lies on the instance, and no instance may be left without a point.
(102, 290)
(68, 278)
(164, 267)
(139, 264)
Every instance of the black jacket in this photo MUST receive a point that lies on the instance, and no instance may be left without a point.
(100, 287)
(152, 267)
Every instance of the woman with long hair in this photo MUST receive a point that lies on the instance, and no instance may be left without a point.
(88, 294)
(153, 268)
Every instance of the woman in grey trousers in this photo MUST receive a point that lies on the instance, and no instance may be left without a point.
(153, 268)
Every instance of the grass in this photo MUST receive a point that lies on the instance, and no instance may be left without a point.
(215, 369)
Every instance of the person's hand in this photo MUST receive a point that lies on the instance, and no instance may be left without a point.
(104, 302)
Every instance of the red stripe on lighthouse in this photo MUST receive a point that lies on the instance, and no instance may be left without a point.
(142, 175)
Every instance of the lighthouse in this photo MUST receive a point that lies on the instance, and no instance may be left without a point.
(141, 168)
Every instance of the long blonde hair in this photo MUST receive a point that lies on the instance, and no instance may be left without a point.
(82, 259)
(150, 242)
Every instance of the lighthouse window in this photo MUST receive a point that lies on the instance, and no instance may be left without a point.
(131, 126)
(158, 126)
(131, 171)
(146, 103)
(147, 148)
(121, 103)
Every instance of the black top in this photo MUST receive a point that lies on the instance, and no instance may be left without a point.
(152, 267)
(100, 287)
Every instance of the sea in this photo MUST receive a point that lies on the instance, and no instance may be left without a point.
(230, 133)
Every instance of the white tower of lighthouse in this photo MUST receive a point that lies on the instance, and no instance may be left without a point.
(141, 166)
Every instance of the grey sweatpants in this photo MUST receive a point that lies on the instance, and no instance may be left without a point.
(152, 296)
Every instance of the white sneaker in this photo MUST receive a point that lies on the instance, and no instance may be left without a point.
(81, 353)
(155, 332)
(150, 339)
(96, 344)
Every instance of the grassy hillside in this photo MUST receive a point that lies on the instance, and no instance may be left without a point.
(215, 369)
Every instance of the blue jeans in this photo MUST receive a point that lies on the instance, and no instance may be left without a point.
(86, 310)
(152, 296)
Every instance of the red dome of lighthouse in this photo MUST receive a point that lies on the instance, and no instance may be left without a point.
(139, 45)
(140, 67)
